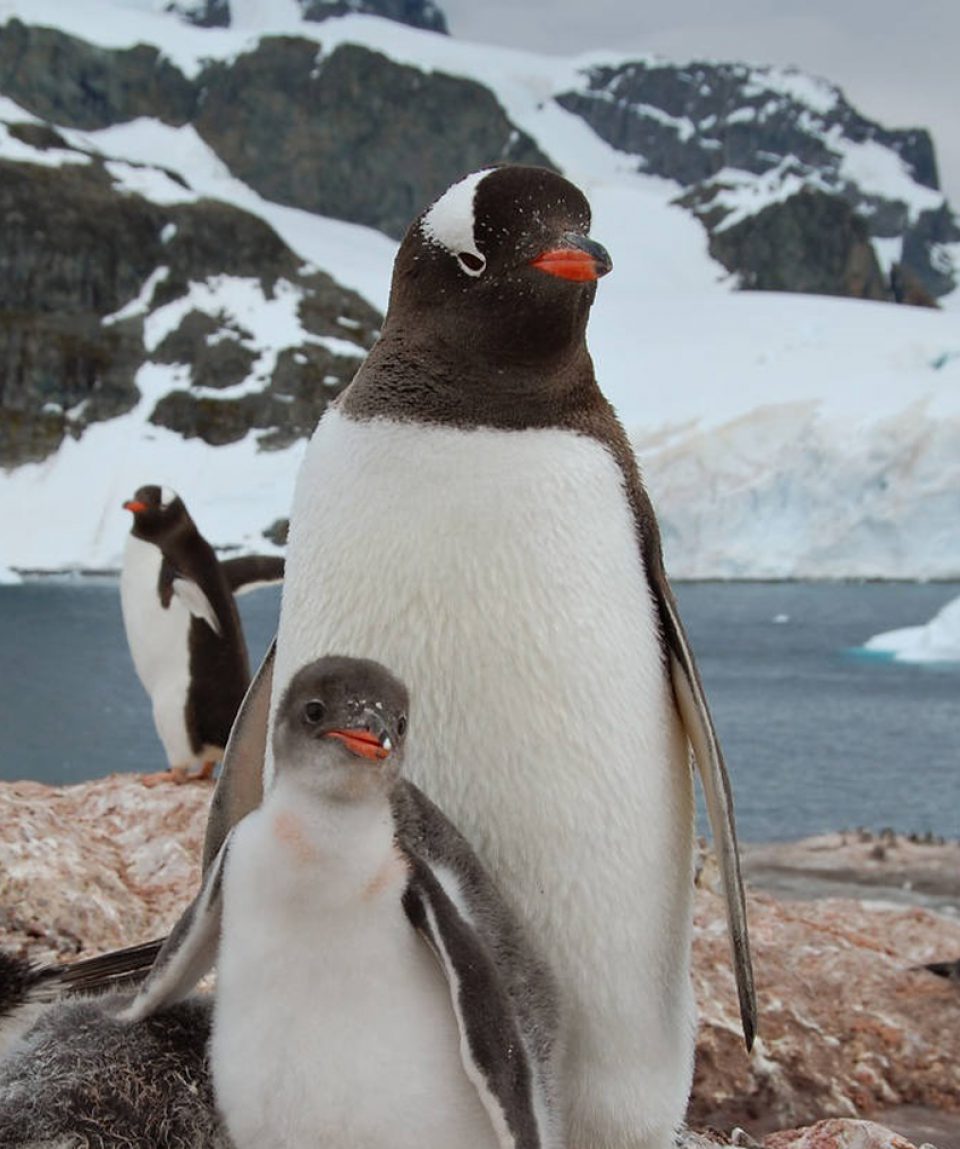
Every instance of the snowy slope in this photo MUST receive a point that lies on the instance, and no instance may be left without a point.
(780, 435)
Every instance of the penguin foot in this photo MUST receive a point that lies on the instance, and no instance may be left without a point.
(178, 775)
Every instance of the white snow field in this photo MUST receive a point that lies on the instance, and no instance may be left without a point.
(780, 435)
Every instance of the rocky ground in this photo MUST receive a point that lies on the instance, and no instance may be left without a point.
(852, 1026)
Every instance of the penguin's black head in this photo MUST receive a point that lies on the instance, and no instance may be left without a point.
(156, 511)
(341, 726)
(501, 267)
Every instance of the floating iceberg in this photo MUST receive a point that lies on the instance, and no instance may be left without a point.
(937, 641)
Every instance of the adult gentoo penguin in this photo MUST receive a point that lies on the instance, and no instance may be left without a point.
(183, 629)
(372, 989)
(475, 517)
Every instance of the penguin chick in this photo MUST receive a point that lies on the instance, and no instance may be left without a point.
(76, 1076)
(372, 987)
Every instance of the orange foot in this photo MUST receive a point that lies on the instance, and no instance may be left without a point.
(179, 774)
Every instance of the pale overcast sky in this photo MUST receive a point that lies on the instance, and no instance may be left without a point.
(898, 63)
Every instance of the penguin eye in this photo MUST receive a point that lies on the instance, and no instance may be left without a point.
(401, 725)
(314, 711)
(471, 263)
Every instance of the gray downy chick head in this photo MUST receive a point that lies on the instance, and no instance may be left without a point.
(340, 727)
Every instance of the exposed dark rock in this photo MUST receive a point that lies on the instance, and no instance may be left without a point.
(922, 250)
(277, 532)
(203, 13)
(214, 238)
(688, 123)
(40, 136)
(303, 383)
(812, 242)
(351, 135)
(214, 351)
(73, 251)
(416, 13)
(79, 85)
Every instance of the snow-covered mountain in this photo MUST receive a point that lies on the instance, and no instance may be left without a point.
(781, 434)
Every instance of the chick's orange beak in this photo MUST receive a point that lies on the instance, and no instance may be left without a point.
(135, 506)
(362, 742)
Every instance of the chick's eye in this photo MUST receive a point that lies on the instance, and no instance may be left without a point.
(401, 725)
(314, 711)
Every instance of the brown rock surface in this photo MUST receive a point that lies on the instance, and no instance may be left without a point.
(848, 1025)
(92, 867)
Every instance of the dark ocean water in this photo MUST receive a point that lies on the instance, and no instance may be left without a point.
(817, 737)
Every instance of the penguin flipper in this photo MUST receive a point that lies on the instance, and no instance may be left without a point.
(189, 951)
(495, 1056)
(695, 713)
(252, 571)
(193, 598)
(240, 786)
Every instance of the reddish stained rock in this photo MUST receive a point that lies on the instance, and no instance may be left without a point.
(848, 1025)
(837, 1134)
(92, 867)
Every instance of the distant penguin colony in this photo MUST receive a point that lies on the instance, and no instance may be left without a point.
(470, 514)
(183, 630)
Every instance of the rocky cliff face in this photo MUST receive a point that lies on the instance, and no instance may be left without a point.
(350, 135)
(730, 134)
(774, 165)
(77, 248)
(416, 13)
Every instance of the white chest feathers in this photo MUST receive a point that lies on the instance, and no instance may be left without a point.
(158, 638)
(333, 1024)
(499, 575)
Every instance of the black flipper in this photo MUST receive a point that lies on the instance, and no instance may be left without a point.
(240, 786)
(695, 713)
(252, 571)
(494, 1054)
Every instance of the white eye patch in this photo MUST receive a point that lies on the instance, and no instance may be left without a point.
(450, 222)
(166, 497)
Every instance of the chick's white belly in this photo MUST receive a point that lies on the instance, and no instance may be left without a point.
(498, 574)
(333, 1027)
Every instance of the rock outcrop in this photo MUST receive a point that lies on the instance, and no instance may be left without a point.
(851, 1025)
(77, 249)
(351, 134)
(731, 134)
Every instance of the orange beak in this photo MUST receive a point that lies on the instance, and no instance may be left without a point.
(135, 506)
(578, 258)
(362, 742)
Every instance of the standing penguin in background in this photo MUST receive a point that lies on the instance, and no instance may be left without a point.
(475, 516)
(184, 631)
